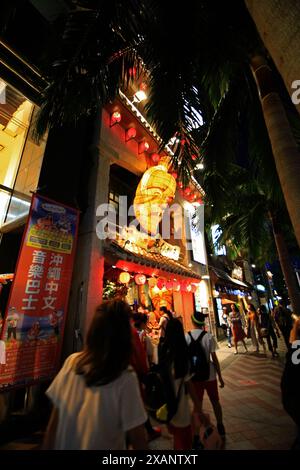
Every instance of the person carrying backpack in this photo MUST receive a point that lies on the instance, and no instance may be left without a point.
(174, 386)
(204, 366)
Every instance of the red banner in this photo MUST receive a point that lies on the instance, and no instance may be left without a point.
(33, 326)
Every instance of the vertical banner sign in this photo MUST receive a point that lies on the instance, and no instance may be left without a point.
(34, 323)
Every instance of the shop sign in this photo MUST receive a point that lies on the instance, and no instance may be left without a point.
(133, 240)
(34, 322)
(237, 273)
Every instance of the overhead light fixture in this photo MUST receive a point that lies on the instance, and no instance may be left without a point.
(200, 166)
(253, 265)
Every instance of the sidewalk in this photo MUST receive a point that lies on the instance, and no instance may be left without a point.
(251, 400)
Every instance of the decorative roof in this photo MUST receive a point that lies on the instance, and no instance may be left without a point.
(155, 260)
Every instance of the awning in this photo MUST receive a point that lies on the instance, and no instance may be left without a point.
(223, 276)
(152, 263)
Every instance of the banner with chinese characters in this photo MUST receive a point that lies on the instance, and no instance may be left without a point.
(33, 327)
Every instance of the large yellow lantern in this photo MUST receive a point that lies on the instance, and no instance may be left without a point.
(154, 192)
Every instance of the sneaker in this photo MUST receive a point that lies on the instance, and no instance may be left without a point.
(154, 434)
(229, 345)
(221, 429)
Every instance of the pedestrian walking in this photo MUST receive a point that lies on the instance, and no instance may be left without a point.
(283, 319)
(253, 329)
(226, 320)
(96, 399)
(238, 333)
(209, 384)
(174, 360)
(266, 328)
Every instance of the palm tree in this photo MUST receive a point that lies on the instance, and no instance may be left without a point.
(242, 188)
(278, 25)
(191, 54)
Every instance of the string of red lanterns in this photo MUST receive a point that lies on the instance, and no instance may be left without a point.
(161, 283)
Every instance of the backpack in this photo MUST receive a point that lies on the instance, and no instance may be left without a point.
(160, 399)
(199, 365)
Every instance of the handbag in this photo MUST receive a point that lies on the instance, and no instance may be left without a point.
(264, 332)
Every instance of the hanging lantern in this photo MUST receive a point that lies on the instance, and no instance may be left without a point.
(176, 286)
(124, 277)
(140, 279)
(169, 285)
(155, 157)
(187, 191)
(152, 195)
(182, 142)
(160, 283)
(115, 118)
(143, 146)
(130, 134)
(174, 174)
(194, 157)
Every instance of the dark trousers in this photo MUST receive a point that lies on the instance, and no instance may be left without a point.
(11, 331)
(272, 335)
(286, 331)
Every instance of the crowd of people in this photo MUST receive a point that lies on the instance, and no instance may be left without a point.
(260, 326)
(100, 396)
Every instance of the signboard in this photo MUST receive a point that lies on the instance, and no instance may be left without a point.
(133, 240)
(34, 323)
(196, 217)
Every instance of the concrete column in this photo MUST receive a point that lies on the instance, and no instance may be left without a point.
(87, 281)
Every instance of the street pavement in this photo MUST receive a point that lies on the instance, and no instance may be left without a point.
(253, 415)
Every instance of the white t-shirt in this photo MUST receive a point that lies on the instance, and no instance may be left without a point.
(210, 345)
(183, 415)
(95, 418)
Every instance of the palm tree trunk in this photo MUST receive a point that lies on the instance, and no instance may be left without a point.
(277, 22)
(285, 151)
(285, 263)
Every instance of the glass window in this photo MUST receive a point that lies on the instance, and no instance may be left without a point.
(20, 157)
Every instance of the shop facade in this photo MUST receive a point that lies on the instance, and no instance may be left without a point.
(228, 290)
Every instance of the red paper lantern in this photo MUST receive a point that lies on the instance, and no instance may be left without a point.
(143, 146)
(187, 191)
(169, 285)
(130, 134)
(175, 175)
(115, 118)
(155, 157)
(182, 141)
(140, 279)
(124, 277)
(194, 157)
(160, 283)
